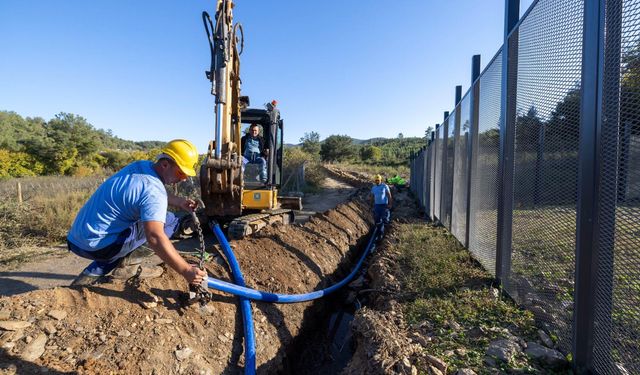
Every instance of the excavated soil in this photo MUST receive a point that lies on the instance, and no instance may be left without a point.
(121, 327)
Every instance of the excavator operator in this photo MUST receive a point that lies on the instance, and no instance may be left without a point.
(129, 209)
(254, 150)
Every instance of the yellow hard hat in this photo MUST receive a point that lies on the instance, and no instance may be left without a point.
(184, 153)
(377, 178)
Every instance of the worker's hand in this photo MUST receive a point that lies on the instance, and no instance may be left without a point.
(266, 152)
(188, 205)
(195, 275)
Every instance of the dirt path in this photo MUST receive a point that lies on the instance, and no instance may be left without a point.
(61, 267)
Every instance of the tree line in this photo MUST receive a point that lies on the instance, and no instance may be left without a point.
(65, 145)
(375, 151)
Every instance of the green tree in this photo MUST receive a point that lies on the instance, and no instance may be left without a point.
(337, 148)
(311, 143)
(371, 154)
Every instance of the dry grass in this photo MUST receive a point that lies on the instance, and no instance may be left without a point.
(30, 229)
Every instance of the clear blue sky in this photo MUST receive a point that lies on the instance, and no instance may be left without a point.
(364, 68)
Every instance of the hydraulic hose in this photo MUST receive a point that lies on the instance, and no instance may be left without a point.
(245, 304)
(257, 295)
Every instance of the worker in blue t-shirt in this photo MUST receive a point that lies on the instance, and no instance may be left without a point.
(382, 201)
(129, 209)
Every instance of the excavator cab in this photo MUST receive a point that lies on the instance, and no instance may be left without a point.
(260, 188)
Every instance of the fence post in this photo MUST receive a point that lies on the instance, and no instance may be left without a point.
(472, 154)
(443, 162)
(19, 190)
(507, 140)
(432, 192)
(588, 204)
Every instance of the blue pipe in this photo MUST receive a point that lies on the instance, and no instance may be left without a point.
(245, 304)
(244, 292)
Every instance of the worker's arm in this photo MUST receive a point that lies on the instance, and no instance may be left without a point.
(390, 201)
(182, 203)
(160, 243)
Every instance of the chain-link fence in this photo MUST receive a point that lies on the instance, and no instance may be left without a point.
(537, 171)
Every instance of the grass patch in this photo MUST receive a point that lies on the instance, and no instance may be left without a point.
(30, 229)
(386, 171)
(454, 301)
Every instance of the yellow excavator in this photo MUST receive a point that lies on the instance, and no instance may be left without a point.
(234, 190)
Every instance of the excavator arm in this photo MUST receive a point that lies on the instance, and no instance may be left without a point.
(221, 179)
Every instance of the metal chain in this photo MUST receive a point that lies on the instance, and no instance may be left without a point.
(196, 222)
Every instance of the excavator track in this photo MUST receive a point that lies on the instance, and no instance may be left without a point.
(248, 224)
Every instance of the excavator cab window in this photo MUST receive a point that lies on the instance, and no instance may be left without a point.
(255, 165)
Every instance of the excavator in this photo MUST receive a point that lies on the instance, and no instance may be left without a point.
(232, 190)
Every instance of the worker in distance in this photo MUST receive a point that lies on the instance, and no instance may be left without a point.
(129, 209)
(382, 201)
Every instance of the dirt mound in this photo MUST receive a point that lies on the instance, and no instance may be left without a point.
(121, 327)
(353, 178)
(383, 345)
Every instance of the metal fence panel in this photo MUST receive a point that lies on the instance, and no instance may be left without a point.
(438, 172)
(617, 313)
(447, 185)
(426, 181)
(545, 174)
(461, 172)
(484, 194)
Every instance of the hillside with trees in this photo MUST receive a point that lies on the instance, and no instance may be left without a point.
(65, 145)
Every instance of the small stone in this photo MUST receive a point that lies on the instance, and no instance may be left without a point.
(35, 348)
(149, 305)
(465, 371)
(8, 345)
(48, 327)
(103, 337)
(164, 321)
(14, 325)
(5, 314)
(57, 314)
(546, 356)
(503, 349)
(432, 370)
(51, 347)
(438, 363)
(546, 340)
(124, 333)
(183, 354)
(461, 352)
(448, 353)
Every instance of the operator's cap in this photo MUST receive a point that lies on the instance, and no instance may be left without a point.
(183, 153)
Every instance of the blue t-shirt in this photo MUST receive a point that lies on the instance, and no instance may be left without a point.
(134, 193)
(381, 193)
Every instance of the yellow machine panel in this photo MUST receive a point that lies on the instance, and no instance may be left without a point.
(259, 199)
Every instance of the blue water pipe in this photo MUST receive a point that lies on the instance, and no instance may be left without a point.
(245, 304)
(257, 295)
(245, 294)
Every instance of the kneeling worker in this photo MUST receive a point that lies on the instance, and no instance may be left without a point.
(129, 209)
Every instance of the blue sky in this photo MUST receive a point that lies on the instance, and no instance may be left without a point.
(364, 68)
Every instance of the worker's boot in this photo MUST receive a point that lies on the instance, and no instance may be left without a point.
(127, 272)
(129, 265)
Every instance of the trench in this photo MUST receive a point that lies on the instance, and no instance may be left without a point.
(325, 344)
